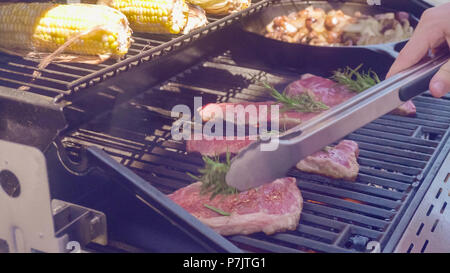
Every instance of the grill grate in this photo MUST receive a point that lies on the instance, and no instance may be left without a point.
(60, 81)
(396, 153)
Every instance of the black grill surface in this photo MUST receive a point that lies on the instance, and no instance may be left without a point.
(396, 154)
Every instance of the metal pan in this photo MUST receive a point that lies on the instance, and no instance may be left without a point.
(289, 55)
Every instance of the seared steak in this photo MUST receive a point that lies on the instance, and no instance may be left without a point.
(269, 208)
(332, 94)
(406, 109)
(337, 162)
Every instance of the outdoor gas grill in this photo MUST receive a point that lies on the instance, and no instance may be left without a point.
(86, 154)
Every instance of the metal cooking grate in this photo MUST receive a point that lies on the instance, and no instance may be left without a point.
(338, 216)
(61, 80)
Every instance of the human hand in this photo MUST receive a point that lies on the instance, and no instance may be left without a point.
(432, 32)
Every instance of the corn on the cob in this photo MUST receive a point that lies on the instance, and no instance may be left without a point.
(221, 7)
(44, 27)
(155, 16)
(197, 19)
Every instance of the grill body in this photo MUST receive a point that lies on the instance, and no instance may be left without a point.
(110, 126)
(396, 157)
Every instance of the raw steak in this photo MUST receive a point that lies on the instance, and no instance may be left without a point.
(332, 94)
(286, 119)
(217, 147)
(324, 90)
(269, 208)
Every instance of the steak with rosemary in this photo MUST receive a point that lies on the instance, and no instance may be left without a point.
(338, 162)
(319, 89)
(270, 208)
(322, 90)
(332, 94)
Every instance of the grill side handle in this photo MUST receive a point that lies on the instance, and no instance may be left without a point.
(159, 202)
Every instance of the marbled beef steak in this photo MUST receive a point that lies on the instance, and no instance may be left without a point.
(269, 208)
(323, 89)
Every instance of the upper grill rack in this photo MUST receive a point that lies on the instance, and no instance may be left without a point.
(396, 154)
(66, 79)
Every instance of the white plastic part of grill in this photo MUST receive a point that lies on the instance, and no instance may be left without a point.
(25, 208)
(30, 220)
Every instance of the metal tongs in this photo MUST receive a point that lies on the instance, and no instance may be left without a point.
(255, 166)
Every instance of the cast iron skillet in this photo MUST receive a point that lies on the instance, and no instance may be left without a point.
(283, 54)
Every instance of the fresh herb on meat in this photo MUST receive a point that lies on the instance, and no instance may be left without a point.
(219, 211)
(304, 102)
(213, 177)
(354, 80)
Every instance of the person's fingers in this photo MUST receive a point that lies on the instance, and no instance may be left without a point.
(410, 55)
(421, 41)
(440, 83)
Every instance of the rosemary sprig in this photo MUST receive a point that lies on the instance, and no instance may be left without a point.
(304, 102)
(219, 211)
(213, 176)
(355, 80)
